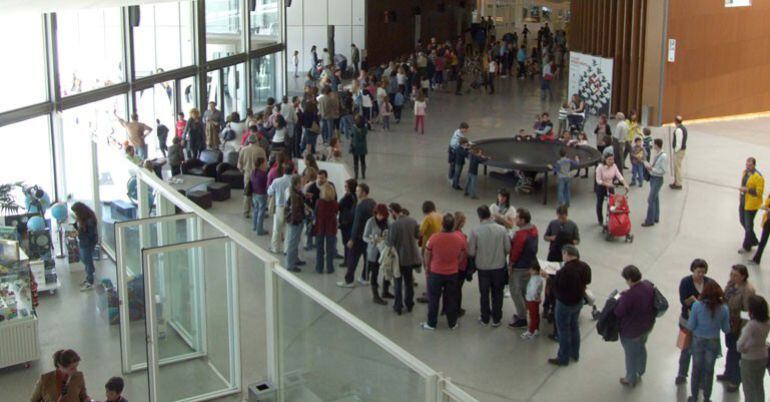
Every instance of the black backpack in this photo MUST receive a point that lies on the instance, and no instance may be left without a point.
(228, 134)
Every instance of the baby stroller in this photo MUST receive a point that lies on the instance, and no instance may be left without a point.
(618, 222)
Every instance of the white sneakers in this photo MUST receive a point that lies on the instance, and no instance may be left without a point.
(363, 281)
(424, 326)
(530, 335)
(344, 284)
(85, 286)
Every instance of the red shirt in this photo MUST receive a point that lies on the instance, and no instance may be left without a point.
(180, 126)
(326, 218)
(446, 249)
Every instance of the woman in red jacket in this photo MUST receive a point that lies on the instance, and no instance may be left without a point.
(326, 229)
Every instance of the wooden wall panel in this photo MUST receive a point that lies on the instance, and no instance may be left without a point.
(614, 29)
(722, 62)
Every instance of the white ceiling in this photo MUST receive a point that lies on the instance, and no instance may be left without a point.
(41, 6)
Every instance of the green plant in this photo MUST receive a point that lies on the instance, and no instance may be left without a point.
(8, 204)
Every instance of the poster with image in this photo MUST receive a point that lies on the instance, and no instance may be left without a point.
(591, 78)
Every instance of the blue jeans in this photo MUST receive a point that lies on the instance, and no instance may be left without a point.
(704, 356)
(732, 359)
(326, 248)
(653, 200)
(87, 258)
(259, 203)
(327, 127)
(346, 125)
(637, 173)
(470, 185)
(569, 333)
(562, 190)
(636, 357)
(308, 138)
(458, 171)
(292, 245)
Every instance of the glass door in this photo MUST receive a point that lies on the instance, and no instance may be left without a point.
(131, 237)
(209, 307)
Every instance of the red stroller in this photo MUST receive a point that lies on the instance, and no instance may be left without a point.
(618, 222)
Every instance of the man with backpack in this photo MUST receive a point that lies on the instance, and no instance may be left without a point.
(523, 257)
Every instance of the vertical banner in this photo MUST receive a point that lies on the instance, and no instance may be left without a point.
(591, 78)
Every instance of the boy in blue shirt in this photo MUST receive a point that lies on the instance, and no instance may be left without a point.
(562, 169)
(476, 158)
(398, 103)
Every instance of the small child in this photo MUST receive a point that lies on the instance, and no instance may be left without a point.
(114, 389)
(386, 110)
(476, 158)
(460, 154)
(536, 125)
(562, 169)
(617, 208)
(534, 290)
(420, 107)
(582, 140)
(563, 112)
(398, 103)
(637, 162)
(647, 142)
(175, 156)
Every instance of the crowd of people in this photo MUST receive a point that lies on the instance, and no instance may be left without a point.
(385, 246)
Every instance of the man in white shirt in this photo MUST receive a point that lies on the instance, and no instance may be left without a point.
(657, 168)
(279, 190)
(545, 83)
(618, 138)
(491, 71)
(679, 145)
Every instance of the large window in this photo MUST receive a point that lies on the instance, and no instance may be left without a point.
(235, 90)
(27, 155)
(90, 54)
(224, 28)
(265, 23)
(22, 72)
(156, 104)
(263, 79)
(163, 40)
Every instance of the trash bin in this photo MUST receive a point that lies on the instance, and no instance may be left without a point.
(262, 392)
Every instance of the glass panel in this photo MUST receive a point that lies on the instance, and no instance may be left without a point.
(265, 23)
(140, 235)
(189, 99)
(153, 105)
(97, 120)
(35, 168)
(209, 358)
(224, 28)
(23, 73)
(90, 49)
(235, 90)
(325, 359)
(164, 38)
(263, 79)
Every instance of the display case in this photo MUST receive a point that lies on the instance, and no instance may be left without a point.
(18, 295)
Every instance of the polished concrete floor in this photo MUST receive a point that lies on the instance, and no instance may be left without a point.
(491, 364)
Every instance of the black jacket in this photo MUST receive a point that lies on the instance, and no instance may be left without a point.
(608, 325)
(571, 282)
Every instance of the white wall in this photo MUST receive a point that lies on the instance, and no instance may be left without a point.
(306, 26)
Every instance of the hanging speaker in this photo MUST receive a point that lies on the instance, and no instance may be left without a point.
(252, 5)
(134, 16)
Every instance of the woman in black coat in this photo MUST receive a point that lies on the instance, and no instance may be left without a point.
(195, 139)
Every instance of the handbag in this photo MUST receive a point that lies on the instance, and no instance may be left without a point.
(659, 302)
(684, 340)
(646, 174)
(271, 205)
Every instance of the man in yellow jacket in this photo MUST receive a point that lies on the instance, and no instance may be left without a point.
(752, 187)
(765, 234)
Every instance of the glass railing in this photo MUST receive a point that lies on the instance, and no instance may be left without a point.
(313, 348)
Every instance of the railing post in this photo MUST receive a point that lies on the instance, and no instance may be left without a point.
(432, 388)
(273, 319)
